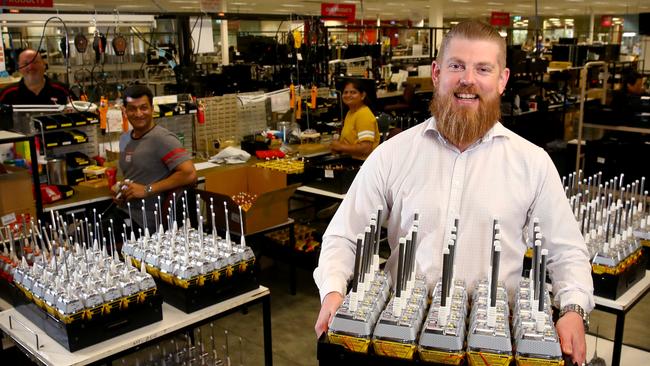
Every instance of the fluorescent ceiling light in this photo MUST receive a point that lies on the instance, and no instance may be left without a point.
(292, 5)
(629, 34)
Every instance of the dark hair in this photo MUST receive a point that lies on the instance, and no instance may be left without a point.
(359, 86)
(631, 77)
(137, 91)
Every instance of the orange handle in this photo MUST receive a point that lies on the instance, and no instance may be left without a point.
(314, 93)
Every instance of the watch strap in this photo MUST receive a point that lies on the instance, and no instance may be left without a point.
(576, 309)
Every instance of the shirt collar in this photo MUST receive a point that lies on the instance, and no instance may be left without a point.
(497, 130)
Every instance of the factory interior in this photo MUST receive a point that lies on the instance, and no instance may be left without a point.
(243, 182)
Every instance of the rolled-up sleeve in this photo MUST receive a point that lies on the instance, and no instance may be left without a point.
(336, 261)
(568, 257)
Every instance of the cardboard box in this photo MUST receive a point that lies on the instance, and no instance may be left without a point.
(16, 195)
(271, 207)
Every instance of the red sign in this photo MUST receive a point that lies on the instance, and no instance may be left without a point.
(347, 11)
(606, 21)
(27, 3)
(499, 18)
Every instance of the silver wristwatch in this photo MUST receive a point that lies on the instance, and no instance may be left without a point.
(576, 309)
(148, 190)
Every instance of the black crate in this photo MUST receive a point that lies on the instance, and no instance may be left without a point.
(612, 286)
(85, 333)
(319, 173)
(645, 246)
(197, 297)
(7, 291)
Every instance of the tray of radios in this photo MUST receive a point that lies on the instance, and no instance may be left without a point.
(192, 269)
(384, 323)
(613, 220)
(76, 293)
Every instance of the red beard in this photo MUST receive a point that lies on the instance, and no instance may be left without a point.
(462, 125)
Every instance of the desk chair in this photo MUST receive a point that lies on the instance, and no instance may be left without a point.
(404, 106)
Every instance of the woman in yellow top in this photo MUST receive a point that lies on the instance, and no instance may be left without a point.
(360, 134)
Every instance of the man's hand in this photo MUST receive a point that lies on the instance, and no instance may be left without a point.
(571, 331)
(331, 303)
(133, 191)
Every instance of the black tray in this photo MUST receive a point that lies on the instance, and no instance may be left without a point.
(646, 254)
(613, 286)
(337, 181)
(81, 334)
(197, 297)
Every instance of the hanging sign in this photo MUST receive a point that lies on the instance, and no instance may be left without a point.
(27, 3)
(498, 18)
(347, 11)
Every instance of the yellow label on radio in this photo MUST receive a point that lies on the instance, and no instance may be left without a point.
(530, 361)
(485, 358)
(354, 344)
(441, 357)
(393, 349)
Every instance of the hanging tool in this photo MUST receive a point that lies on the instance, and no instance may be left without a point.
(79, 77)
(103, 111)
(99, 46)
(119, 42)
(314, 94)
(64, 49)
(119, 45)
(80, 43)
(299, 107)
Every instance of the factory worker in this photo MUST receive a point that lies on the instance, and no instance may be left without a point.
(360, 134)
(463, 164)
(34, 87)
(152, 160)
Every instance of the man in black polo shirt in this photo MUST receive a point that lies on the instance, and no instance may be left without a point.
(34, 87)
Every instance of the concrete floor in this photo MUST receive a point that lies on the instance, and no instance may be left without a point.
(637, 325)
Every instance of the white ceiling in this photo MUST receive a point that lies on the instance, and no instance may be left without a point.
(387, 9)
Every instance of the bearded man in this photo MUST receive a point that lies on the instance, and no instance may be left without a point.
(464, 164)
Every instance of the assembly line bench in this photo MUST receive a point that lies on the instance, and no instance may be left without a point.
(44, 350)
